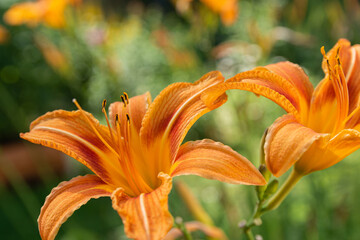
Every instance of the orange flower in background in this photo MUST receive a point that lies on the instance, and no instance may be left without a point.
(322, 125)
(228, 9)
(50, 12)
(52, 54)
(136, 155)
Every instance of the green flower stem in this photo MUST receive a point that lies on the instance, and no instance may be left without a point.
(249, 234)
(256, 216)
(280, 195)
(272, 204)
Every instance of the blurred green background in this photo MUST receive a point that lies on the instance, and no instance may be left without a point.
(93, 50)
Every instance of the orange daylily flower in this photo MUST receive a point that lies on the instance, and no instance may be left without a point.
(322, 125)
(136, 155)
(227, 9)
(52, 54)
(50, 12)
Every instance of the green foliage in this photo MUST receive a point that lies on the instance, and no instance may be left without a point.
(147, 46)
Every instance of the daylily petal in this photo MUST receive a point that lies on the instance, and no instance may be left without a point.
(27, 12)
(146, 216)
(296, 75)
(324, 102)
(350, 62)
(213, 160)
(324, 154)
(136, 109)
(71, 133)
(285, 143)
(285, 92)
(172, 114)
(65, 199)
(323, 112)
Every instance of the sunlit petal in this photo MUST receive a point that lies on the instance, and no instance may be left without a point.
(352, 74)
(262, 81)
(285, 143)
(324, 154)
(65, 199)
(214, 160)
(296, 75)
(146, 216)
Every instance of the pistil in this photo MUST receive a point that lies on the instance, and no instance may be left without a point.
(337, 78)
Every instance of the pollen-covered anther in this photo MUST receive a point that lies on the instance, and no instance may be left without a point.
(126, 97)
(123, 100)
(103, 105)
(327, 62)
(128, 118)
(117, 125)
(322, 50)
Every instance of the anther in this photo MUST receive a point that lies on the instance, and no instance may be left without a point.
(338, 56)
(103, 105)
(322, 50)
(126, 97)
(123, 100)
(117, 124)
(337, 52)
(128, 118)
(76, 104)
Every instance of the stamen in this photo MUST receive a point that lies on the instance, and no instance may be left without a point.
(344, 90)
(338, 80)
(103, 104)
(128, 172)
(123, 100)
(117, 124)
(94, 128)
(322, 50)
(126, 97)
(128, 131)
(326, 58)
(343, 83)
(133, 176)
(103, 109)
(135, 180)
